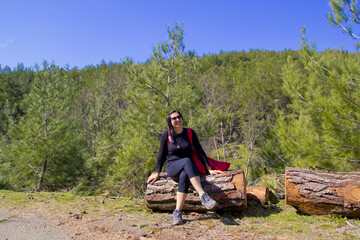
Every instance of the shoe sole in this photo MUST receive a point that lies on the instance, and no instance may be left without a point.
(212, 206)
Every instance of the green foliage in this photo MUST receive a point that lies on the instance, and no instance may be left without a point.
(44, 142)
(117, 112)
(274, 182)
(86, 188)
(99, 109)
(131, 162)
(243, 92)
(323, 127)
(14, 85)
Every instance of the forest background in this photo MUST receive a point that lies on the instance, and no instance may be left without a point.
(97, 128)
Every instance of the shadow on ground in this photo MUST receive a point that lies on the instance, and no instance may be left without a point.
(232, 218)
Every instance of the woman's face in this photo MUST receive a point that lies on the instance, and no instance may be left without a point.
(176, 120)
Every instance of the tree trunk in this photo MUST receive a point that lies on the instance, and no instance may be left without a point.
(257, 194)
(42, 174)
(314, 192)
(228, 189)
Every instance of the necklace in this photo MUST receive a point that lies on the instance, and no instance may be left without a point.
(178, 142)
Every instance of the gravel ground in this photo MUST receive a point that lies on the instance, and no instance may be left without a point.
(16, 227)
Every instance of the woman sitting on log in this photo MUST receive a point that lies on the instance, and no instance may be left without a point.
(176, 146)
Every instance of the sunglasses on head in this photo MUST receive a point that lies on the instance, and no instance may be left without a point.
(178, 117)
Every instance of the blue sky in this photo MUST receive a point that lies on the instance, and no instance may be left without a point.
(85, 32)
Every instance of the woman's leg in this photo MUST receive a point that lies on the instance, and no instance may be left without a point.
(180, 200)
(183, 188)
(205, 199)
(185, 165)
(195, 181)
(187, 169)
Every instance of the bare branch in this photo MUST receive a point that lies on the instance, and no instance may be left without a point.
(348, 31)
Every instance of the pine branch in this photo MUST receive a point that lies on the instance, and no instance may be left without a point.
(350, 120)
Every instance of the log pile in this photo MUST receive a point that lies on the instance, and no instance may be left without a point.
(228, 189)
(315, 192)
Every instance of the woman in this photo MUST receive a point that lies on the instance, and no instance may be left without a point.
(175, 145)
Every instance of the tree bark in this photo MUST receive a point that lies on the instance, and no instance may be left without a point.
(314, 192)
(228, 189)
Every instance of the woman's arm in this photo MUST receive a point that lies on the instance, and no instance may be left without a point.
(163, 152)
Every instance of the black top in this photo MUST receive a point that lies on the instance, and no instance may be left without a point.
(181, 148)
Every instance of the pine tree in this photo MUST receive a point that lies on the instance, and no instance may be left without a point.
(43, 139)
(323, 128)
(100, 108)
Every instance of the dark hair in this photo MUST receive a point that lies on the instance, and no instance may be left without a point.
(170, 126)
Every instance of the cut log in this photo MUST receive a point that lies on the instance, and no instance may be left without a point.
(228, 189)
(314, 192)
(257, 194)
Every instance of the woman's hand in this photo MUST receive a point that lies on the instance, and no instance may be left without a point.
(153, 177)
(213, 172)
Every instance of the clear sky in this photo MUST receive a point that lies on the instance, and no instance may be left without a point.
(85, 32)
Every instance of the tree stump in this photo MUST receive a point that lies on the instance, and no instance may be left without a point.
(257, 194)
(228, 189)
(314, 192)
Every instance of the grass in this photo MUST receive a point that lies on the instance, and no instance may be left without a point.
(65, 202)
(283, 220)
